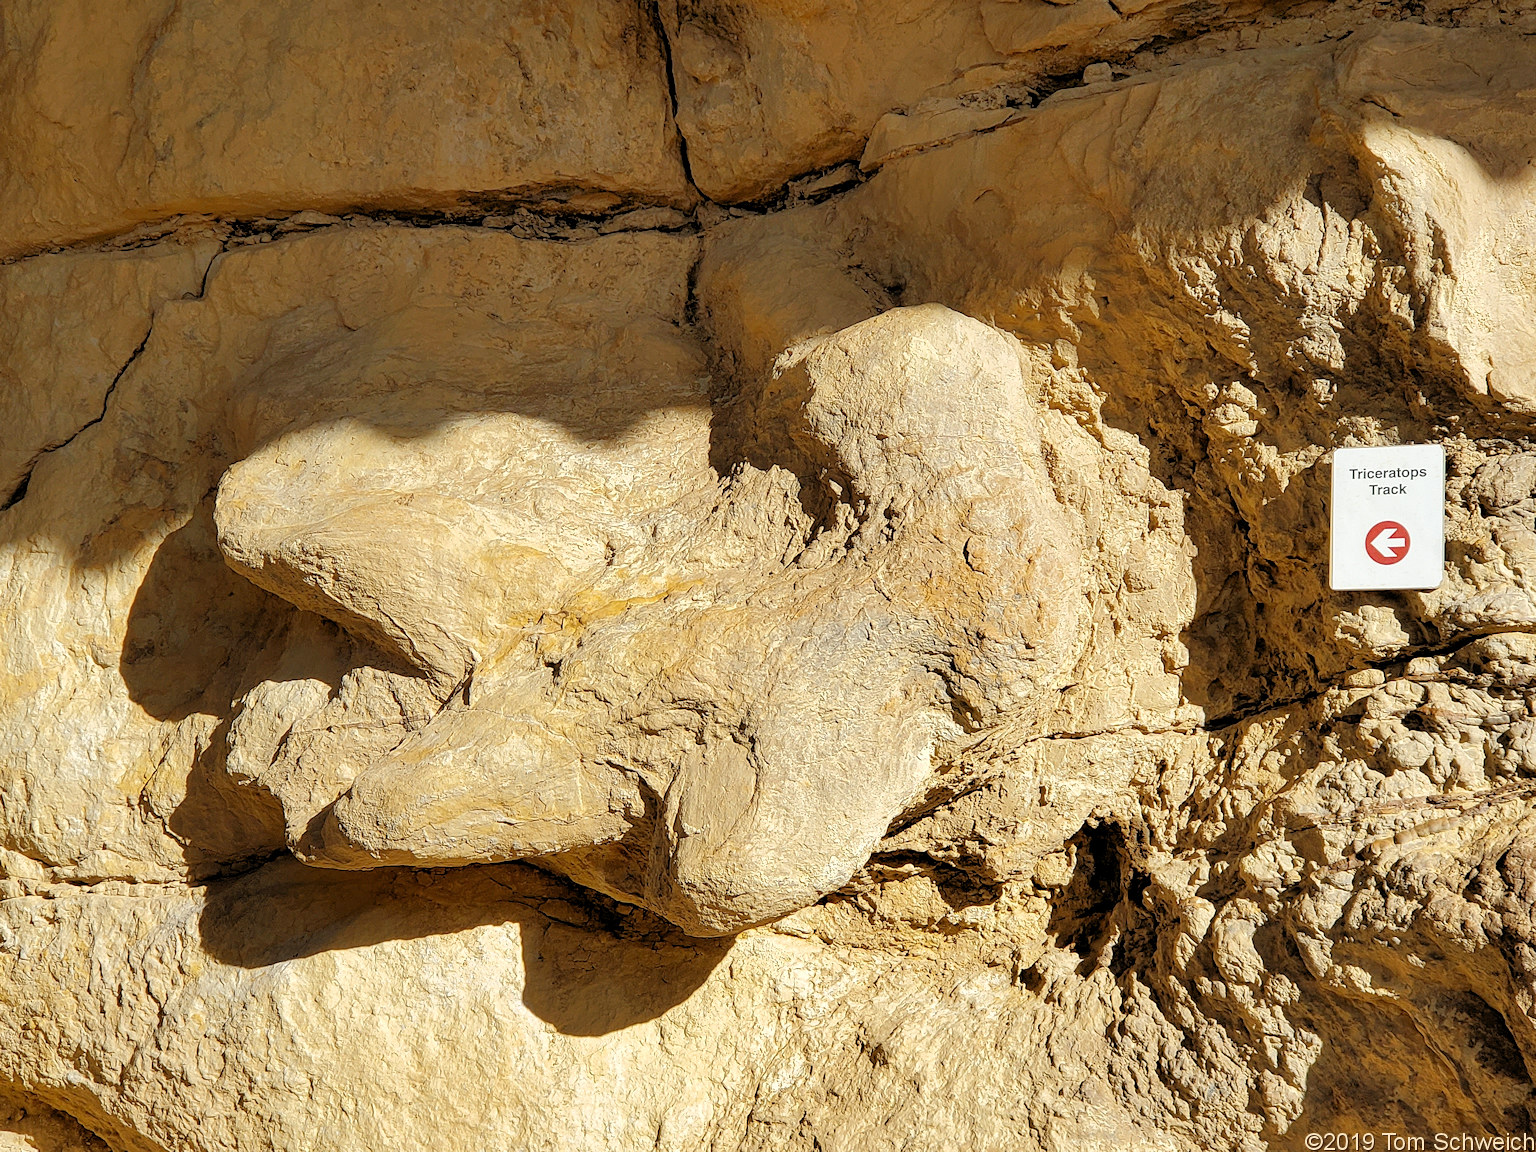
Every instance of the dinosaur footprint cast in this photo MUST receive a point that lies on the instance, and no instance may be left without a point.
(708, 694)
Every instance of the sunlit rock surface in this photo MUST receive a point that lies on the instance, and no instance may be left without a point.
(700, 576)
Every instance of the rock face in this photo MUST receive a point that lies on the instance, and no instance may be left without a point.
(503, 646)
(163, 107)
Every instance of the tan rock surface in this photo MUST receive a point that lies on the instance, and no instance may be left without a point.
(773, 89)
(769, 90)
(856, 675)
(780, 696)
(72, 324)
(154, 108)
(114, 552)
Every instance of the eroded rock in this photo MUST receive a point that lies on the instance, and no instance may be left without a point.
(749, 711)
(164, 108)
(915, 584)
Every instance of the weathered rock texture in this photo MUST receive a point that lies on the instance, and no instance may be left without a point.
(596, 575)
(155, 107)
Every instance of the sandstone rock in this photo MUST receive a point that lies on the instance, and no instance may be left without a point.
(897, 134)
(72, 324)
(30, 1126)
(589, 1031)
(1451, 154)
(916, 586)
(768, 91)
(1111, 233)
(1093, 211)
(161, 108)
(772, 89)
(1025, 26)
(113, 551)
(814, 682)
(642, 219)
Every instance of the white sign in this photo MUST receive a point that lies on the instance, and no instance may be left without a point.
(1388, 522)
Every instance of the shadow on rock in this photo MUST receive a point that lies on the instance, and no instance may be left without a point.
(193, 624)
(588, 968)
(195, 642)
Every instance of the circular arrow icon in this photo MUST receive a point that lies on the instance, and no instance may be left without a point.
(1387, 542)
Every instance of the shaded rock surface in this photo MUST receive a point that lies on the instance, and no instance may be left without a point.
(502, 645)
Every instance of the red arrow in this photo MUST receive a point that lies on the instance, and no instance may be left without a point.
(1387, 542)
